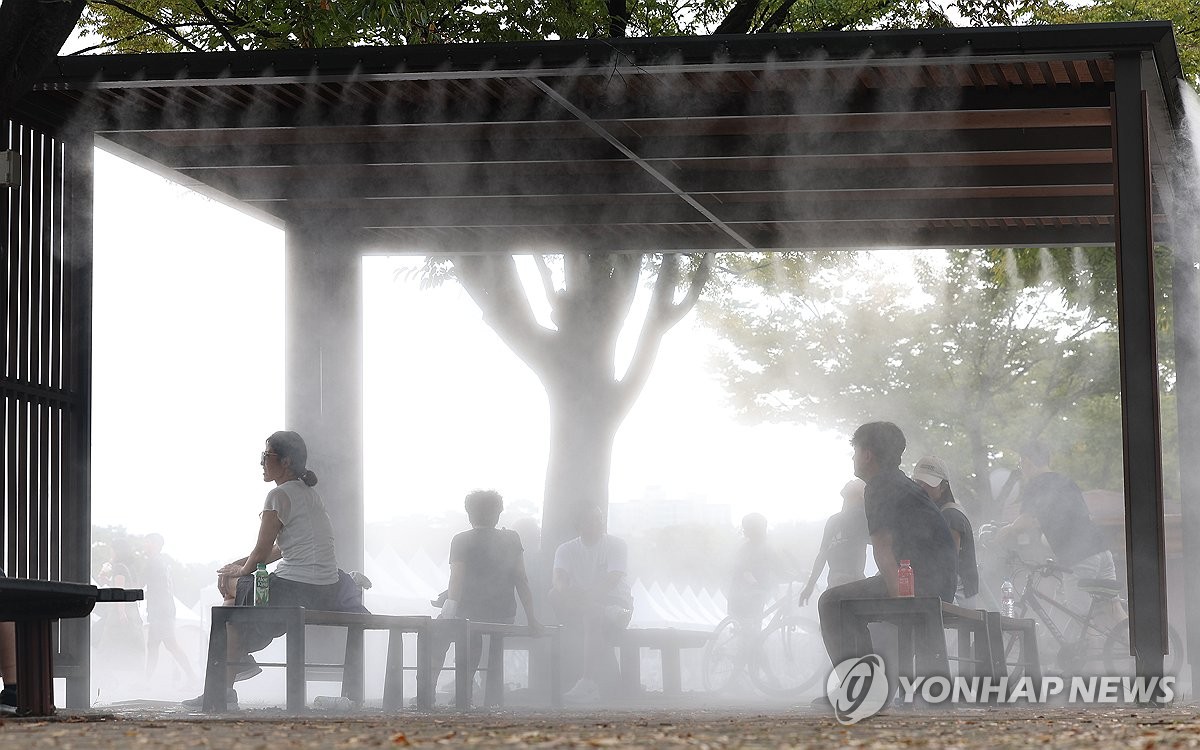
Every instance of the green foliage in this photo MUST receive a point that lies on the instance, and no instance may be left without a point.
(173, 25)
(969, 352)
(1184, 14)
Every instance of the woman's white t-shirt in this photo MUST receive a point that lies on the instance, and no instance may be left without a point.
(306, 538)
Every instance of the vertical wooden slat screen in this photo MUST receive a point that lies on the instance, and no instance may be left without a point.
(45, 520)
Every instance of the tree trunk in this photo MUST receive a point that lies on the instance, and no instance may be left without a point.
(582, 431)
(31, 34)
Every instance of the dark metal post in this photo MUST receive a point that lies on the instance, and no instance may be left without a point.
(76, 511)
(1146, 560)
(324, 372)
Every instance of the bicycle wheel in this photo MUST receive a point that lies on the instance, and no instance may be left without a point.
(789, 659)
(1119, 662)
(723, 655)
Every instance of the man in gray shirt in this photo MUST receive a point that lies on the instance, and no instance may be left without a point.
(487, 567)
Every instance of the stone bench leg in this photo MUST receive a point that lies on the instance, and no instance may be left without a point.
(631, 669)
(393, 675)
(296, 688)
(493, 688)
(215, 671)
(464, 667)
(672, 671)
(353, 678)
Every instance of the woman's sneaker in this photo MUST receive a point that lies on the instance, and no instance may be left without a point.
(197, 703)
(248, 669)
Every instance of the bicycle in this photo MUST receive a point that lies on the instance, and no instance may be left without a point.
(783, 657)
(1092, 643)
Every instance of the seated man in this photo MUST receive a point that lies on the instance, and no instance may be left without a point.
(590, 595)
(487, 566)
(904, 524)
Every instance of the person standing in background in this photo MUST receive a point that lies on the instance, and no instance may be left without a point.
(160, 608)
(844, 544)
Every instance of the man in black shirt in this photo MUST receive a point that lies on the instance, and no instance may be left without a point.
(904, 524)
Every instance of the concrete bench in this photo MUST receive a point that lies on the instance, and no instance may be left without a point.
(1025, 631)
(545, 669)
(668, 642)
(33, 606)
(293, 621)
(924, 619)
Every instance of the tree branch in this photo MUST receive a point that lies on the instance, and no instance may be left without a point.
(618, 18)
(221, 28)
(777, 17)
(122, 40)
(492, 282)
(739, 19)
(547, 279)
(154, 22)
(660, 318)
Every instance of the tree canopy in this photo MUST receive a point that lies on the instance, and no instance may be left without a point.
(195, 25)
(972, 352)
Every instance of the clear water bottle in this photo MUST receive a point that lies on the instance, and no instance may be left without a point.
(262, 586)
(904, 577)
(1008, 600)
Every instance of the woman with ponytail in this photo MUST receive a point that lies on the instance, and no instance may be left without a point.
(295, 529)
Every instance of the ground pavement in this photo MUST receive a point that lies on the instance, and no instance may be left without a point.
(1093, 728)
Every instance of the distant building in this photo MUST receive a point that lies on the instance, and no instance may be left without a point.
(654, 510)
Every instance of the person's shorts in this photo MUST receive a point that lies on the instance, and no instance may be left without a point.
(284, 593)
(1099, 565)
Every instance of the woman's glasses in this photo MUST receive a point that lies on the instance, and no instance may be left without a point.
(263, 459)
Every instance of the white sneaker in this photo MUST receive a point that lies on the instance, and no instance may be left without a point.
(584, 691)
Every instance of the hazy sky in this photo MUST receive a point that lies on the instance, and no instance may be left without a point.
(188, 382)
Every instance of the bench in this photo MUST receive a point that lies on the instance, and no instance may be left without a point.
(668, 642)
(432, 635)
(925, 619)
(545, 669)
(33, 606)
(294, 619)
(1026, 634)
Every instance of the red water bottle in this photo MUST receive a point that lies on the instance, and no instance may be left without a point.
(904, 579)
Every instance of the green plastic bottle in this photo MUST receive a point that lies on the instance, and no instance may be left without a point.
(262, 586)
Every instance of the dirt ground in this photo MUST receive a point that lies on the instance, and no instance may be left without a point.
(1110, 727)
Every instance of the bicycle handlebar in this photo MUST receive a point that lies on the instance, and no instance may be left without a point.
(1049, 567)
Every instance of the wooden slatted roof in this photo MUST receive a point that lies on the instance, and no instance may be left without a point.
(911, 138)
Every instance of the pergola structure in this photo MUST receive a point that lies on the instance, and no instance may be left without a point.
(1003, 137)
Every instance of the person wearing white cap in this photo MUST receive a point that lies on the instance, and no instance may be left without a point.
(931, 475)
